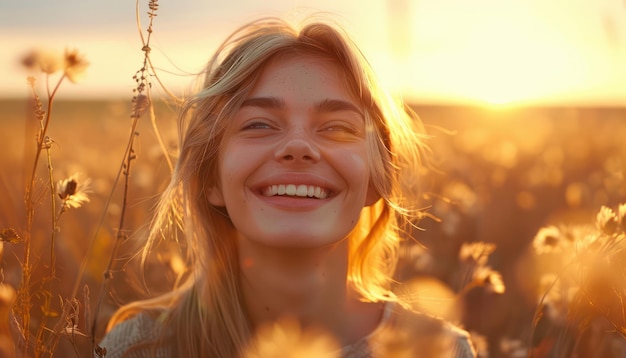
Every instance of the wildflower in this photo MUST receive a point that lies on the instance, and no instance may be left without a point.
(547, 240)
(10, 235)
(286, 338)
(46, 61)
(606, 220)
(489, 278)
(477, 252)
(75, 65)
(73, 191)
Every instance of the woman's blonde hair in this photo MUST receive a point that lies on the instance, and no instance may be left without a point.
(206, 311)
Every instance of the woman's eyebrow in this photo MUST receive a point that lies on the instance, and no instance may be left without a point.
(336, 105)
(264, 102)
(324, 106)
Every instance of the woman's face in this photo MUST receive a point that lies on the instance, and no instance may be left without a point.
(293, 167)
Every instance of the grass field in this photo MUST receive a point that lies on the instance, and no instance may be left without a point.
(503, 175)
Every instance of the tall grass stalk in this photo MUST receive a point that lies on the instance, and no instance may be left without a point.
(24, 298)
(142, 102)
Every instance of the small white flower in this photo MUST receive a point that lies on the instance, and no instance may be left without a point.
(73, 191)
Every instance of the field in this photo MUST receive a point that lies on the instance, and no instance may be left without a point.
(504, 178)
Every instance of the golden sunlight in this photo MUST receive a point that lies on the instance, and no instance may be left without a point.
(505, 54)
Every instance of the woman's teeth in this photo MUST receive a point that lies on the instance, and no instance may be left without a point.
(309, 191)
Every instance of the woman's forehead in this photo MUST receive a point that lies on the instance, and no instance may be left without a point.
(306, 70)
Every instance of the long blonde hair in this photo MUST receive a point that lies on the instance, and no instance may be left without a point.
(206, 311)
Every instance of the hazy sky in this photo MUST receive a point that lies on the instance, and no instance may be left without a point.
(496, 51)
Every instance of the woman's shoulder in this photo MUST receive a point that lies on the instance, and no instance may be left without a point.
(134, 337)
(408, 331)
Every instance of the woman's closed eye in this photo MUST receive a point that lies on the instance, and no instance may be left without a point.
(257, 125)
(341, 130)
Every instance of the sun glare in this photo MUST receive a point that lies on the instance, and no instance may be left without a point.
(503, 57)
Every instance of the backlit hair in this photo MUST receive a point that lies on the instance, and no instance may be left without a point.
(206, 311)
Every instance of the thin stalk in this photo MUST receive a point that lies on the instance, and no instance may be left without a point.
(130, 156)
(24, 293)
(46, 284)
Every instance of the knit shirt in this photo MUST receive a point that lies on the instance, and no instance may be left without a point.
(400, 333)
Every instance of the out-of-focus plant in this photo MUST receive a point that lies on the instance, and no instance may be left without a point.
(582, 288)
(38, 340)
(40, 315)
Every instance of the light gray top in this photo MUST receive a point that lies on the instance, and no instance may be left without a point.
(413, 334)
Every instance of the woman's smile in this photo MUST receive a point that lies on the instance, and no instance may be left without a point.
(293, 190)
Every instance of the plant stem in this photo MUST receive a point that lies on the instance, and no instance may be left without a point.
(24, 294)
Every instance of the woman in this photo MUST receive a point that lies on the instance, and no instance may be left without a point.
(294, 179)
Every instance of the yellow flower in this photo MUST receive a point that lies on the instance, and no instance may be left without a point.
(73, 191)
(75, 65)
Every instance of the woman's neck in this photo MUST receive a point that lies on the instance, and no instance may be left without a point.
(309, 285)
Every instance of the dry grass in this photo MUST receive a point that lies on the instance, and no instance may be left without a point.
(486, 234)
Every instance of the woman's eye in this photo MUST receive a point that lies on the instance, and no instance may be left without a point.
(340, 128)
(257, 125)
(341, 132)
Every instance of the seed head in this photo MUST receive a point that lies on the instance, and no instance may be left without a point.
(73, 191)
(141, 103)
(10, 235)
(606, 220)
(476, 252)
(548, 239)
(45, 61)
(490, 279)
(75, 65)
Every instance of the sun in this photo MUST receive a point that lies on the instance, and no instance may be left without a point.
(501, 58)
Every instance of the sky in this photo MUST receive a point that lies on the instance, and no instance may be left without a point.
(431, 51)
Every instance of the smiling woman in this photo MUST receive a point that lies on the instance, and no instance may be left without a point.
(295, 177)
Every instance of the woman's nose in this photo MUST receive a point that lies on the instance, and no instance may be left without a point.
(297, 147)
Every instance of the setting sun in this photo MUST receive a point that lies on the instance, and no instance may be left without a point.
(510, 52)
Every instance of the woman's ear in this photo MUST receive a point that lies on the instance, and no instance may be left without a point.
(215, 197)
(372, 195)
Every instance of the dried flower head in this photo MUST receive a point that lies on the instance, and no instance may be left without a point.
(476, 252)
(73, 191)
(10, 235)
(75, 65)
(490, 279)
(606, 220)
(45, 61)
(547, 240)
(141, 103)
